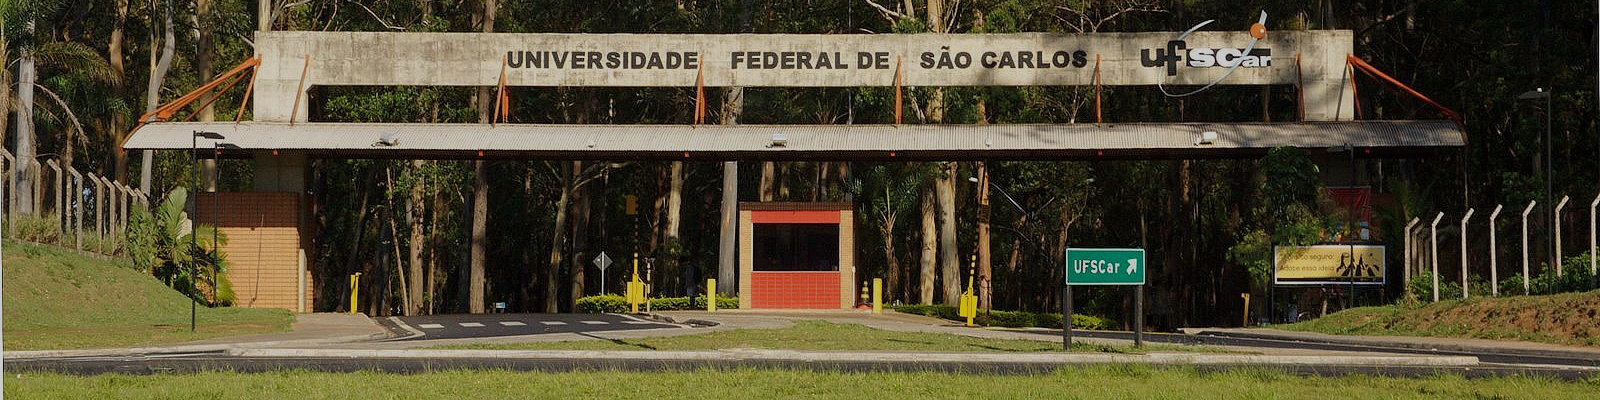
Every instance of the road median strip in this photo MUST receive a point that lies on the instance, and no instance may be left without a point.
(887, 357)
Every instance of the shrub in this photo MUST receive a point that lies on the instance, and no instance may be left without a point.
(44, 228)
(1009, 319)
(612, 303)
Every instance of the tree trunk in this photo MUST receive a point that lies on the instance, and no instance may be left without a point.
(152, 96)
(893, 292)
(768, 175)
(580, 235)
(407, 297)
(480, 189)
(558, 235)
(119, 122)
(26, 188)
(949, 255)
(727, 246)
(930, 235)
(414, 211)
(985, 269)
(202, 66)
(480, 236)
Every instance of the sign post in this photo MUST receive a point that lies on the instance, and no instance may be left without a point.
(1105, 267)
(602, 261)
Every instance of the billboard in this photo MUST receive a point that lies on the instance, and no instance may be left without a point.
(1328, 264)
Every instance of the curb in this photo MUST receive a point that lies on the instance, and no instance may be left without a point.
(692, 322)
(896, 357)
(1355, 341)
(182, 349)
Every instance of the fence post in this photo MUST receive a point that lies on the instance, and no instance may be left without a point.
(1494, 249)
(1409, 253)
(1525, 277)
(77, 206)
(1555, 219)
(1464, 274)
(1433, 238)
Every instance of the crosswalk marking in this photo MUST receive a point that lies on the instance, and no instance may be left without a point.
(471, 325)
(512, 323)
(430, 326)
(552, 322)
(594, 322)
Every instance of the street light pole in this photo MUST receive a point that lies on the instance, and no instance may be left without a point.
(194, 224)
(1549, 165)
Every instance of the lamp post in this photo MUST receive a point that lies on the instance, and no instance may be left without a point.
(1549, 164)
(194, 145)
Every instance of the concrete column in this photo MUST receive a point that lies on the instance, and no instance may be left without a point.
(282, 172)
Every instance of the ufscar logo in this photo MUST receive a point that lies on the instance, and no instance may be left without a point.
(1178, 51)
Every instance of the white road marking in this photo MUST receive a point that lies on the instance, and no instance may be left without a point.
(413, 331)
(512, 323)
(471, 325)
(552, 322)
(594, 322)
(430, 326)
(635, 322)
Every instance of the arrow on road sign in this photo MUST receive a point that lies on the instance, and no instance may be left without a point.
(1133, 266)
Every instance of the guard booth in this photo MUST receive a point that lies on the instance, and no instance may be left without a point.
(796, 256)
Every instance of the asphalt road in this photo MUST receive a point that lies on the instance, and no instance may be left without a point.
(1226, 339)
(221, 362)
(459, 326)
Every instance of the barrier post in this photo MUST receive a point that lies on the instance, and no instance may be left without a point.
(1246, 322)
(877, 295)
(711, 295)
(355, 291)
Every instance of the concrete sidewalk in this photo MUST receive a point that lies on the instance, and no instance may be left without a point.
(307, 330)
(1467, 345)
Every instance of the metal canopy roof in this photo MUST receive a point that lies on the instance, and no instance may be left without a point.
(803, 142)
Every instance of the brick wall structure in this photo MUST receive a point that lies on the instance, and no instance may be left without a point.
(267, 239)
(796, 289)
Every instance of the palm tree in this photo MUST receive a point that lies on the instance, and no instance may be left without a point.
(18, 35)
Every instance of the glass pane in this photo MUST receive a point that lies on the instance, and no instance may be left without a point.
(796, 247)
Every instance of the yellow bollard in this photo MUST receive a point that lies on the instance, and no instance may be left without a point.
(635, 288)
(877, 295)
(969, 302)
(355, 291)
(1246, 297)
(711, 295)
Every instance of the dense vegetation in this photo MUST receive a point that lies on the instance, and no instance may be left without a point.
(408, 225)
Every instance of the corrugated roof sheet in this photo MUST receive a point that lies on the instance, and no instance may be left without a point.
(948, 142)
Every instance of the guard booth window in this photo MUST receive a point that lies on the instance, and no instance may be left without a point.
(796, 247)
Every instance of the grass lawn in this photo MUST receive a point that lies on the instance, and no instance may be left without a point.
(1098, 383)
(1566, 318)
(820, 335)
(59, 299)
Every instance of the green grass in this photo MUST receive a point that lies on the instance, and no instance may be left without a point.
(59, 299)
(1098, 383)
(1566, 318)
(820, 335)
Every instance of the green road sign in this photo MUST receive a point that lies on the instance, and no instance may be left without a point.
(1105, 266)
